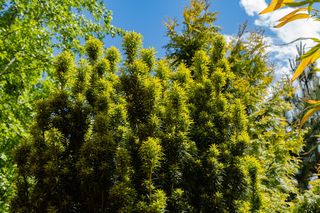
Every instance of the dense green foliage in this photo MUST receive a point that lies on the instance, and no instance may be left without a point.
(309, 202)
(30, 31)
(180, 134)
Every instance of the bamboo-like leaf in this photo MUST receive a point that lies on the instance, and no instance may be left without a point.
(292, 18)
(309, 114)
(304, 63)
(315, 57)
(311, 51)
(274, 5)
(271, 7)
(315, 70)
(292, 13)
(315, 40)
(311, 101)
(296, 4)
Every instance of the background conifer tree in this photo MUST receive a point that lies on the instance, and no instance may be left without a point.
(198, 29)
(308, 83)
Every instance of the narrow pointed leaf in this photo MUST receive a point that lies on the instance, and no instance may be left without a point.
(311, 51)
(292, 13)
(315, 40)
(304, 63)
(311, 101)
(296, 4)
(293, 18)
(271, 7)
(274, 5)
(315, 57)
(309, 114)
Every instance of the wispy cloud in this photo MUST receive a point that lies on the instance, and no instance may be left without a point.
(253, 7)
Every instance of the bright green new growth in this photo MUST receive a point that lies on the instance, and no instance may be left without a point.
(148, 57)
(151, 154)
(94, 49)
(132, 43)
(63, 65)
(113, 56)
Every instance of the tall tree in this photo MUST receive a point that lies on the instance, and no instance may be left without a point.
(31, 31)
(238, 82)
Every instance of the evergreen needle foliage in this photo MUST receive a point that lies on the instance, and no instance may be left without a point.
(196, 135)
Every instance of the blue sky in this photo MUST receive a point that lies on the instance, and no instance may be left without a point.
(147, 17)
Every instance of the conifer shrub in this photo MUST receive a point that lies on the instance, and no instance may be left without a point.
(196, 135)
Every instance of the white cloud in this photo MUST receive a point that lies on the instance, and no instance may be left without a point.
(253, 6)
(298, 29)
(228, 38)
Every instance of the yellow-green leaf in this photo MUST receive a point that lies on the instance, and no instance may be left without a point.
(311, 51)
(311, 101)
(315, 40)
(274, 5)
(297, 4)
(309, 114)
(304, 63)
(292, 18)
(292, 13)
(315, 57)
